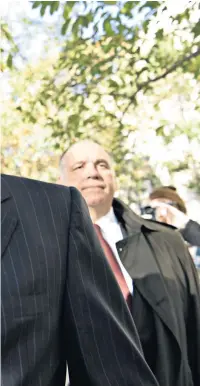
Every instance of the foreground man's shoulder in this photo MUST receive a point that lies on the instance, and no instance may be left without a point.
(23, 182)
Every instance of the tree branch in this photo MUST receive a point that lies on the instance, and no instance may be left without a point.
(172, 68)
(162, 76)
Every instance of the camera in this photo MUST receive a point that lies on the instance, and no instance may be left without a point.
(148, 212)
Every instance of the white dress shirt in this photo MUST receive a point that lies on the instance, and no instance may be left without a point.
(112, 233)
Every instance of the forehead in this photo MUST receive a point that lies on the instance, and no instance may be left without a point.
(160, 199)
(87, 152)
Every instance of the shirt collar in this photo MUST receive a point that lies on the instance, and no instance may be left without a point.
(107, 219)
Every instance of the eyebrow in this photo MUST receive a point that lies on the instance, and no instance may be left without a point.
(98, 161)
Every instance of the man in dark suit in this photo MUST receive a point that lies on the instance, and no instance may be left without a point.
(152, 266)
(57, 291)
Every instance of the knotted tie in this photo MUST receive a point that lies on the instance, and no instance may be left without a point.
(114, 265)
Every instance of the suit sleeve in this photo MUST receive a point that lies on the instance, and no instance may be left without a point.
(103, 347)
(193, 313)
(191, 233)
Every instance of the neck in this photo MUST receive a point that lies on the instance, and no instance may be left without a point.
(97, 213)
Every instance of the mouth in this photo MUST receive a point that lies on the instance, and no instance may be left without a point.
(98, 187)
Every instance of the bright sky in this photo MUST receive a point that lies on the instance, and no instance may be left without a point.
(31, 39)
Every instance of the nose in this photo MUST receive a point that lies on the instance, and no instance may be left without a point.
(92, 171)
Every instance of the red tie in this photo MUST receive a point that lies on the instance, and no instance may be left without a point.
(114, 265)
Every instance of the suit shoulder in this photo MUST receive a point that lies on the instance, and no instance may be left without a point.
(20, 185)
(159, 226)
(166, 231)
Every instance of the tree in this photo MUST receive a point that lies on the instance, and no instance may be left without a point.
(26, 148)
(8, 47)
(118, 70)
(32, 147)
(113, 52)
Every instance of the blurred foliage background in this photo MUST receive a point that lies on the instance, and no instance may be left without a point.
(125, 73)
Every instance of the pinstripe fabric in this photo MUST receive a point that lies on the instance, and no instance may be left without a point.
(56, 295)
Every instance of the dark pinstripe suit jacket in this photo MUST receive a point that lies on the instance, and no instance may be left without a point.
(56, 295)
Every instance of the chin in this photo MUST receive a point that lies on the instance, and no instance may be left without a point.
(94, 201)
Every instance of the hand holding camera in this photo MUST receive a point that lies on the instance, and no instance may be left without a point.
(166, 212)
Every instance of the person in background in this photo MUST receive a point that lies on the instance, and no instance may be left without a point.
(56, 290)
(171, 209)
(151, 264)
(168, 208)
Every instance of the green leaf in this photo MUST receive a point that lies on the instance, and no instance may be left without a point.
(159, 34)
(145, 25)
(64, 27)
(43, 8)
(36, 4)
(67, 9)
(75, 27)
(108, 28)
(32, 119)
(196, 30)
(10, 61)
(87, 19)
(110, 2)
(150, 4)
(128, 7)
(73, 120)
(113, 83)
(5, 31)
(160, 130)
(54, 6)
(106, 48)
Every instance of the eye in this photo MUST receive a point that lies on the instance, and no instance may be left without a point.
(78, 167)
(103, 165)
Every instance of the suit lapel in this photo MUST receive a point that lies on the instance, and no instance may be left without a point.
(8, 218)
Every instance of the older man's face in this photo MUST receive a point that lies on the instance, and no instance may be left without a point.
(88, 167)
